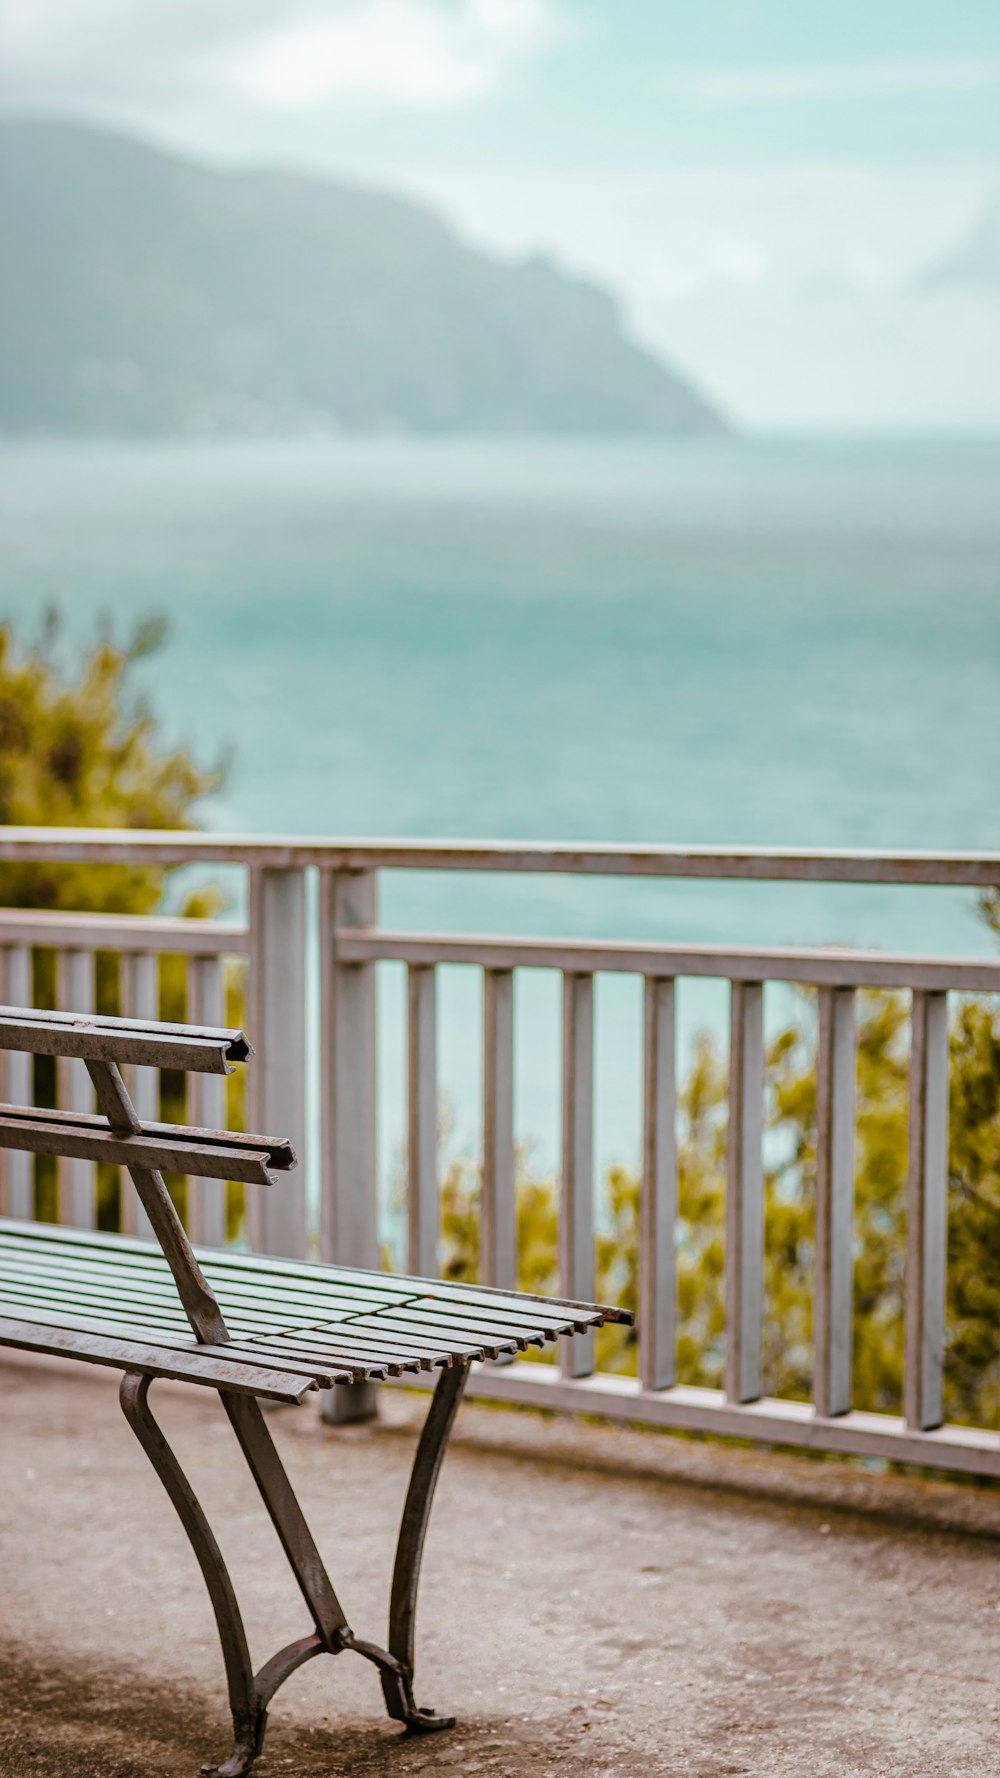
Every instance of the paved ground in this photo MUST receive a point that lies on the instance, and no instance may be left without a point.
(596, 1602)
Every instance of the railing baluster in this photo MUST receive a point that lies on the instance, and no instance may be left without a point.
(348, 1205)
(140, 1000)
(576, 1211)
(658, 1203)
(833, 1283)
(927, 1212)
(276, 1220)
(19, 1169)
(423, 1209)
(348, 1228)
(745, 1194)
(498, 1211)
(206, 1198)
(77, 1179)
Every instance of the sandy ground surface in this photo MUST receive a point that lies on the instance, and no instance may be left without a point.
(596, 1601)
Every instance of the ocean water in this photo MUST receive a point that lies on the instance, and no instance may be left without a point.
(745, 641)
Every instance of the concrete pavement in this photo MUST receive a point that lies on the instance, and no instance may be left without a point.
(596, 1601)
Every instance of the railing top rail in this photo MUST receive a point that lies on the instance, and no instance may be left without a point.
(978, 870)
(121, 932)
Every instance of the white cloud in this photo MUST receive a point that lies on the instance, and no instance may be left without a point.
(173, 56)
(835, 80)
(399, 52)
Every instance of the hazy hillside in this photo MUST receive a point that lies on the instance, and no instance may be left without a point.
(141, 293)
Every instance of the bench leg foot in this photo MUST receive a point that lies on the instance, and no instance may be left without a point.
(244, 1753)
(397, 1686)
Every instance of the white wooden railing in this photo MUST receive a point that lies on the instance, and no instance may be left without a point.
(349, 945)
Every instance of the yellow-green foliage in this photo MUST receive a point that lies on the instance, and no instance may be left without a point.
(79, 752)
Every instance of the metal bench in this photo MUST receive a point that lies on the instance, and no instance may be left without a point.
(262, 1328)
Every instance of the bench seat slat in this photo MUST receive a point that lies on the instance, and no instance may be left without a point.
(123, 1354)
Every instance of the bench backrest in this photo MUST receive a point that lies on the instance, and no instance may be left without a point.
(144, 1149)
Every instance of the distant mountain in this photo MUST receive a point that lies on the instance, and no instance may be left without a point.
(140, 293)
(975, 260)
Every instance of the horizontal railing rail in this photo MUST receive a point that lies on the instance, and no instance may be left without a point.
(274, 950)
(977, 870)
(122, 932)
(813, 967)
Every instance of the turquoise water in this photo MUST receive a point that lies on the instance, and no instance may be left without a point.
(719, 641)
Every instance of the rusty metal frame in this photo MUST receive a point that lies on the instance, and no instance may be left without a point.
(250, 1693)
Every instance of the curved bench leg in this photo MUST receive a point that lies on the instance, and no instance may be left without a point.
(249, 1716)
(249, 1694)
(397, 1685)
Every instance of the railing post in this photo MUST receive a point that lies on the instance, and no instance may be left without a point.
(658, 1202)
(77, 1179)
(833, 1284)
(423, 1208)
(276, 1219)
(17, 1181)
(348, 1219)
(576, 1210)
(926, 1212)
(745, 1194)
(206, 1198)
(498, 1209)
(140, 1000)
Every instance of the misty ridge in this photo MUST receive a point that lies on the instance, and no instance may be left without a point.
(143, 294)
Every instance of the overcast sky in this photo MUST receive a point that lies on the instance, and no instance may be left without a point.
(765, 185)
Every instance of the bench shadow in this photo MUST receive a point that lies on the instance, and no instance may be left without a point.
(66, 1720)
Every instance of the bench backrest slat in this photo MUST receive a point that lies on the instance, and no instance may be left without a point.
(91, 1038)
(168, 1154)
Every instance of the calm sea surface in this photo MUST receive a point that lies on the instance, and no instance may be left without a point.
(784, 643)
